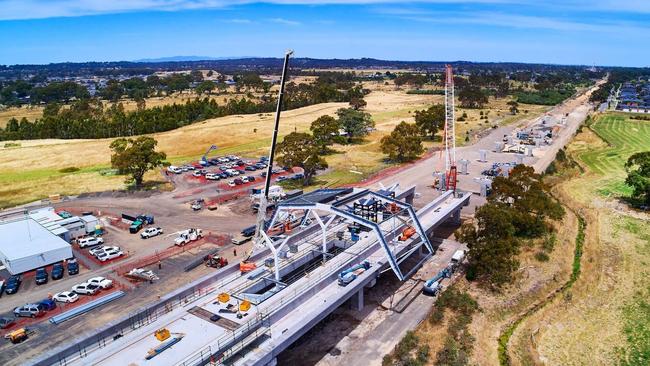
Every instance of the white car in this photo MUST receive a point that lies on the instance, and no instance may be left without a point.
(150, 232)
(96, 251)
(231, 183)
(109, 254)
(66, 296)
(174, 169)
(197, 173)
(212, 176)
(102, 282)
(89, 241)
(85, 289)
(244, 179)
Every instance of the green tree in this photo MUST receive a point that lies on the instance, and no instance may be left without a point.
(514, 106)
(638, 176)
(403, 144)
(358, 103)
(206, 86)
(300, 149)
(356, 124)
(472, 96)
(326, 132)
(525, 192)
(135, 157)
(113, 91)
(430, 120)
(493, 247)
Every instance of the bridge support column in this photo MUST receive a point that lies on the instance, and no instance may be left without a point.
(455, 218)
(356, 301)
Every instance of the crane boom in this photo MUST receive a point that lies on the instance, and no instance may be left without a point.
(450, 130)
(261, 212)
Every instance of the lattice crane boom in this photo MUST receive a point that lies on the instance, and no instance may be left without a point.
(450, 130)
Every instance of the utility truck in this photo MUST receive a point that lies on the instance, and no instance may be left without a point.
(187, 236)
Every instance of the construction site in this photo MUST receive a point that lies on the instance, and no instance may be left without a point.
(240, 276)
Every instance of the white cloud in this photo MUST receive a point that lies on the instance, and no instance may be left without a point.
(284, 21)
(37, 9)
(239, 21)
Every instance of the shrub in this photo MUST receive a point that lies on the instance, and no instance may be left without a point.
(70, 169)
(542, 256)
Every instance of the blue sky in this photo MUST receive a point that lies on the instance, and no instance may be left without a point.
(600, 32)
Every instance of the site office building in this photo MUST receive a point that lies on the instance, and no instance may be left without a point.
(39, 238)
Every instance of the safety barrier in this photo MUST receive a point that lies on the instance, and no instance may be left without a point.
(58, 319)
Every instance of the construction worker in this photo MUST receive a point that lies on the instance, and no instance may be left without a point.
(234, 252)
(159, 265)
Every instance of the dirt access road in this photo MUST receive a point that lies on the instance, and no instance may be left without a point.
(365, 337)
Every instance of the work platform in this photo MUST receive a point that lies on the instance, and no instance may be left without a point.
(297, 283)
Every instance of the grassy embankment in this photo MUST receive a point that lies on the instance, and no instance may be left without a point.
(33, 170)
(604, 318)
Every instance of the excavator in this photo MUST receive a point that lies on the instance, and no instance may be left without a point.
(247, 265)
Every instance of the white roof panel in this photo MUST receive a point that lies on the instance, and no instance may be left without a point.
(26, 237)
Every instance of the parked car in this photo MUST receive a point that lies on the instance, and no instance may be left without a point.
(110, 254)
(282, 178)
(174, 169)
(102, 282)
(238, 181)
(73, 267)
(251, 168)
(298, 176)
(150, 232)
(41, 276)
(85, 289)
(47, 305)
(2, 286)
(197, 173)
(29, 310)
(13, 285)
(90, 241)
(223, 175)
(96, 251)
(212, 176)
(57, 271)
(6, 322)
(244, 179)
(66, 296)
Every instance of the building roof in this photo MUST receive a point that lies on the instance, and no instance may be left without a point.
(26, 237)
(49, 219)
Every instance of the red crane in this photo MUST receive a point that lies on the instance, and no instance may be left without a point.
(450, 131)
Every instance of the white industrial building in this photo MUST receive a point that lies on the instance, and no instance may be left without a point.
(26, 244)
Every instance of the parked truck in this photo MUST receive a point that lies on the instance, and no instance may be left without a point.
(187, 236)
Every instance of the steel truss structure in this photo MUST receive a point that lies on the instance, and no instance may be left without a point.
(386, 231)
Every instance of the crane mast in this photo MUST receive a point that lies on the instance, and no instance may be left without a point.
(450, 131)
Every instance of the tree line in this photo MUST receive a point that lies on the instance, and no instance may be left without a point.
(90, 118)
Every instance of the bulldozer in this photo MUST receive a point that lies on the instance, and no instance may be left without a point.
(215, 261)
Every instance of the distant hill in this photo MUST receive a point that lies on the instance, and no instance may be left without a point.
(187, 58)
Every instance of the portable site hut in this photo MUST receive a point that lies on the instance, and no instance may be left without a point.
(26, 245)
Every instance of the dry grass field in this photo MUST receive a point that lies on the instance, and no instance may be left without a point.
(605, 318)
(26, 168)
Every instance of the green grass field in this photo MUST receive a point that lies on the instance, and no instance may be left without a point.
(623, 136)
